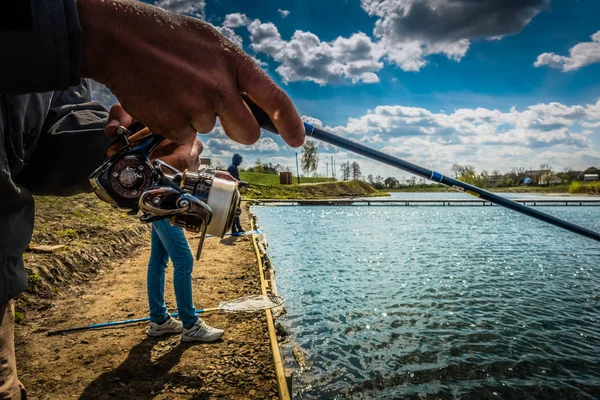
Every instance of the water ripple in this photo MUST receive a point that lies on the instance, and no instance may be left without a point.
(438, 302)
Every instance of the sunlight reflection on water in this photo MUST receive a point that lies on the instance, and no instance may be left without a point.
(438, 301)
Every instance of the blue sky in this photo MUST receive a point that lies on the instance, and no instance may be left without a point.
(493, 83)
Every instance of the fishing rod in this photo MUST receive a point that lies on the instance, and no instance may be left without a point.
(242, 304)
(434, 176)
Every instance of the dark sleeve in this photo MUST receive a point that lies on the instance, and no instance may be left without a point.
(72, 144)
(41, 45)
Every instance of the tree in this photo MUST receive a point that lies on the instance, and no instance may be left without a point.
(518, 171)
(370, 179)
(355, 169)
(546, 173)
(456, 170)
(378, 182)
(310, 158)
(345, 169)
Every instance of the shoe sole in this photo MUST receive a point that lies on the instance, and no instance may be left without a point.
(194, 339)
(156, 334)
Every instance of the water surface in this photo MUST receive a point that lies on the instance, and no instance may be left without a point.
(420, 302)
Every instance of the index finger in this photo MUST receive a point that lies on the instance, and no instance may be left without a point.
(271, 98)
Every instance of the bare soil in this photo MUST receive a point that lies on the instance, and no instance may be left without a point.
(123, 362)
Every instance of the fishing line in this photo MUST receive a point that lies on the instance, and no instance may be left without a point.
(350, 145)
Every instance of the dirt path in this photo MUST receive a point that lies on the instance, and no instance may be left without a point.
(123, 363)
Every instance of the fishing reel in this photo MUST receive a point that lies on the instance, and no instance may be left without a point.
(196, 201)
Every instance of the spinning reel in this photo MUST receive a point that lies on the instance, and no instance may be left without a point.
(196, 201)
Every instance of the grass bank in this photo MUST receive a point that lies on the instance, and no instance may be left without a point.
(92, 234)
(312, 191)
(584, 188)
(258, 178)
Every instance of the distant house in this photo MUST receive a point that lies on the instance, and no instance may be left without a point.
(574, 176)
(205, 161)
(554, 180)
(391, 182)
(535, 176)
(590, 174)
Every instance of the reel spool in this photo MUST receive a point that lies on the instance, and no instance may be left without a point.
(220, 195)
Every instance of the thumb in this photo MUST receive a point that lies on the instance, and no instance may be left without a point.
(117, 116)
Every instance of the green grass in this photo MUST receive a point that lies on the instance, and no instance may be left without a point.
(257, 178)
(589, 188)
(313, 191)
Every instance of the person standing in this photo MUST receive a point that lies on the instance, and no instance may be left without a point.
(236, 161)
(169, 242)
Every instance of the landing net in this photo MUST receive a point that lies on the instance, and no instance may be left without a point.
(251, 303)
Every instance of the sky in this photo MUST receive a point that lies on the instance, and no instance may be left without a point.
(495, 84)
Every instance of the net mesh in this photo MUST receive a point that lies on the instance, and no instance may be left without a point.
(251, 303)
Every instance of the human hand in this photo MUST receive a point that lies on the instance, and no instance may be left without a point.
(181, 156)
(225, 175)
(176, 74)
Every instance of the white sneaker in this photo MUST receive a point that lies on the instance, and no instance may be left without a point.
(202, 333)
(169, 326)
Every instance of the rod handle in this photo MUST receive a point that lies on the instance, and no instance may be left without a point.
(261, 116)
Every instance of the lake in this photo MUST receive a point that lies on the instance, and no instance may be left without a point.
(438, 302)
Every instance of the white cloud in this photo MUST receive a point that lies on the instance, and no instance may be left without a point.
(580, 55)
(306, 57)
(194, 8)
(283, 13)
(410, 30)
(235, 20)
(216, 145)
(231, 35)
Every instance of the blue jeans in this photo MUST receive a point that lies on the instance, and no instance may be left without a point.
(236, 226)
(169, 242)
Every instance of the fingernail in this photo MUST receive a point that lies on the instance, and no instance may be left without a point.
(297, 142)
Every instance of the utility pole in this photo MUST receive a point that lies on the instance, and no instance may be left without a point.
(332, 168)
(327, 169)
(297, 169)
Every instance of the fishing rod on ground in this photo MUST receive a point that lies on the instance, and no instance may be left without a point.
(242, 304)
(336, 140)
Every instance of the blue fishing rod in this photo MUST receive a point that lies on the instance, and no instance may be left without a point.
(350, 145)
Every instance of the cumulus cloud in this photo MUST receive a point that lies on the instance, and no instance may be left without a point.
(235, 20)
(306, 57)
(231, 22)
(539, 125)
(580, 55)
(564, 135)
(216, 145)
(283, 13)
(410, 30)
(231, 35)
(194, 8)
